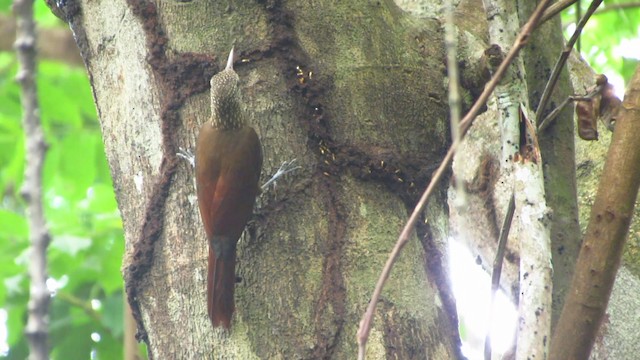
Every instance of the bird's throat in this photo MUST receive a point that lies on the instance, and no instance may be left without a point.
(227, 116)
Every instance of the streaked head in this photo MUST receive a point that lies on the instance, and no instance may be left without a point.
(225, 96)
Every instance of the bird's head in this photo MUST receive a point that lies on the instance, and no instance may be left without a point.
(225, 96)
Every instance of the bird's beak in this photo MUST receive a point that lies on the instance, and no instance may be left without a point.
(230, 60)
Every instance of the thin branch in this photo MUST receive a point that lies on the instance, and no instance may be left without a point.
(546, 94)
(520, 42)
(82, 304)
(553, 114)
(555, 8)
(37, 323)
(497, 268)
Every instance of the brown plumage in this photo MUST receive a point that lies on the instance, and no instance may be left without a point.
(228, 166)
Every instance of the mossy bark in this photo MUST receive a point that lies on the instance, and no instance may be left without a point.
(352, 90)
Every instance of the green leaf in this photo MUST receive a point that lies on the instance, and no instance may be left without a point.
(102, 199)
(77, 165)
(111, 278)
(74, 342)
(44, 16)
(108, 347)
(112, 314)
(13, 226)
(5, 7)
(16, 320)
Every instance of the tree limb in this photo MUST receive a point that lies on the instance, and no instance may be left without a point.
(365, 324)
(37, 323)
(601, 252)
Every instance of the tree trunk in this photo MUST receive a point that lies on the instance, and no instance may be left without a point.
(476, 164)
(353, 90)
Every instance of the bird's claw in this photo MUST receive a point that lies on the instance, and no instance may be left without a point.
(285, 168)
(187, 155)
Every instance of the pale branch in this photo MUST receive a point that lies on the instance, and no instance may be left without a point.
(555, 74)
(36, 330)
(502, 18)
(534, 305)
(497, 269)
(450, 41)
(512, 106)
(367, 319)
(599, 258)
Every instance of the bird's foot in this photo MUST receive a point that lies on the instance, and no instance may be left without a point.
(285, 168)
(187, 155)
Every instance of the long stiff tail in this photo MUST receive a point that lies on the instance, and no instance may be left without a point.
(221, 280)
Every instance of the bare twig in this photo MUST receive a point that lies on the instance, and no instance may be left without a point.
(497, 268)
(552, 115)
(555, 8)
(37, 327)
(521, 40)
(81, 304)
(553, 79)
(544, 124)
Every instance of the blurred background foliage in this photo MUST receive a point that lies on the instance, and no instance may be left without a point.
(87, 239)
(610, 41)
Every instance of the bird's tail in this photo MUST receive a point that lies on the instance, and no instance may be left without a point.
(221, 280)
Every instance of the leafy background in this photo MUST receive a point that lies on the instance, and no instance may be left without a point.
(87, 237)
(81, 211)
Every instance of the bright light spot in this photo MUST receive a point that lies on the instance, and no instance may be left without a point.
(472, 289)
(628, 48)
(618, 83)
(53, 285)
(96, 304)
(138, 180)
(13, 284)
(95, 337)
(57, 202)
(4, 347)
(601, 59)
(56, 284)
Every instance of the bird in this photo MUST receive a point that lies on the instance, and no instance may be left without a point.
(228, 163)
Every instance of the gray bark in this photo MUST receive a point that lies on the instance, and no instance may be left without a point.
(354, 91)
(476, 164)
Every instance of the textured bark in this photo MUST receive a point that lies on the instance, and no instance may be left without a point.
(557, 148)
(601, 252)
(618, 337)
(354, 91)
(477, 165)
(477, 162)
